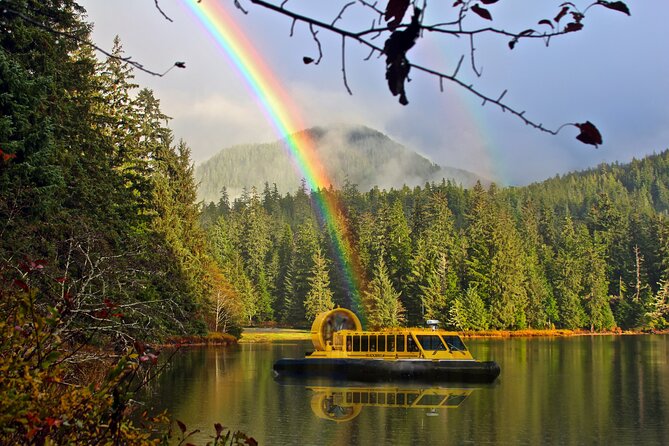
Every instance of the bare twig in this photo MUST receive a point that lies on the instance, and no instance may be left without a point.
(341, 13)
(240, 7)
(343, 64)
(472, 49)
(162, 12)
(314, 34)
(362, 38)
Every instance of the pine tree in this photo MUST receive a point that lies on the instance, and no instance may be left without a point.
(568, 276)
(382, 303)
(468, 312)
(306, 245)
(319, 296)
(595, 288)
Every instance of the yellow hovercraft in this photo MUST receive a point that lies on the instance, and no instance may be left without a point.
(343, 351)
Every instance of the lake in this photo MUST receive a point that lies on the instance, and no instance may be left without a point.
(582, 390)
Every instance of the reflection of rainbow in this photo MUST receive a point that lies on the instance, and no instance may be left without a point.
(286, 119)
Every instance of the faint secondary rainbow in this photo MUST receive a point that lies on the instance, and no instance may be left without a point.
(284, 116)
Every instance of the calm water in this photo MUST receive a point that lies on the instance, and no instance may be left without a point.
(582, 390)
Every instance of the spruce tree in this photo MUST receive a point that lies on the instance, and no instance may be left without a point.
(382, 303)
(319, 296)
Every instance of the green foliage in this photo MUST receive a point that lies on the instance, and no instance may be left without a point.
(382, 303)
(319, 297)
(43, 402)
(92, 185)
(583, 251)
(468, 312)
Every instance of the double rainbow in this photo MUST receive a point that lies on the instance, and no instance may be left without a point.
(283, 115)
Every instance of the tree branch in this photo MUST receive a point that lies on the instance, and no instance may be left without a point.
(85, 41)
(360, 38)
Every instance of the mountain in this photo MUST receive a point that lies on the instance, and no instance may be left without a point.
(359, 154)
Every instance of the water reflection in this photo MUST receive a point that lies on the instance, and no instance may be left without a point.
(342, 404)
(572, 391)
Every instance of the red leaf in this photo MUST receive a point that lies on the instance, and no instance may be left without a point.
(60, 279)
(561, 14)
(219, 428)
(482, 12)
(251, 441)
(21, 284)
(589, 134)
(395, 11)
(182, 426)
(488, 2)
(307, 60)
(546, 22)
(572, 27)
(577, 16)
(616, 6)
(458, 3)
(50, 421)
(180, 64)
(139, 346)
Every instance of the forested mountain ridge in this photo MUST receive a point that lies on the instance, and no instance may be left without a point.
(356, 154)
(585, 250)
(646, 179)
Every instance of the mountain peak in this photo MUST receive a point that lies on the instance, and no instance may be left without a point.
(353, 153)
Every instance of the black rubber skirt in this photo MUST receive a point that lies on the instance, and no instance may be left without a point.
(372, 370)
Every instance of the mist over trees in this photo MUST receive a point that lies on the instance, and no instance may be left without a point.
(586, 250)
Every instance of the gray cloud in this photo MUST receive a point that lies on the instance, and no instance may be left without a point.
(613, 73)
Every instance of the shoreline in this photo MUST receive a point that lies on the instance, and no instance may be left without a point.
(259, 335)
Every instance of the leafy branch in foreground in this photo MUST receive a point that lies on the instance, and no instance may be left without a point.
(402, 37)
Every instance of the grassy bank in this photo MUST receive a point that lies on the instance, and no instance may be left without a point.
(259, 335)
(256, 335)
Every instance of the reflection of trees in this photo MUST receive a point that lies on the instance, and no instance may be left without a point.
(602, 388)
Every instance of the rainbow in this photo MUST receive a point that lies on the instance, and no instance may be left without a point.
(283, 115)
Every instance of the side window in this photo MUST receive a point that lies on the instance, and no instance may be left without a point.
(364, 344)
(356, 343)
(349, 343)
(400, 343)
(382, 343)
(391, 343)
(411, 344)
(372, 343)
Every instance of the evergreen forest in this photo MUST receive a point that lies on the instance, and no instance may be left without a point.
(106, 252)
(587, 250)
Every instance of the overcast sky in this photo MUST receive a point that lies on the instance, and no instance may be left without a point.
(614, 73)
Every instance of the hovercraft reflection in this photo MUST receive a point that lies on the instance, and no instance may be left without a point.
(341, 404)
(344, 352)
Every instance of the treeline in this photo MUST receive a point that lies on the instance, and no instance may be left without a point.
(93, 185)
(588, 250)
(101, 249)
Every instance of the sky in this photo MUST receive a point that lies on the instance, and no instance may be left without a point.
(615, 73)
